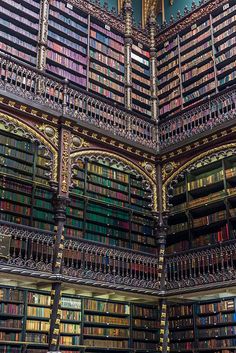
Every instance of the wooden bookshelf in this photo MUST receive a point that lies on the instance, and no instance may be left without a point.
(94, 324)
(203, 326)
(111, 206)
(204, 204)
(25, 195)
(198, 61)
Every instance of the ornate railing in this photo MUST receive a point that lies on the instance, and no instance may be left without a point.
(64, 98)
(213, 264)
(112, 266)
(205, 117)
(83, 261)
(29, 248)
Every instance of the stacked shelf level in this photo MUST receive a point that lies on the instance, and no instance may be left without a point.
(206, 326)
(204, 203)
(25, 195)
(19, 29)
(197, 62)
(95, 324)
(111, 206)
(141, 79)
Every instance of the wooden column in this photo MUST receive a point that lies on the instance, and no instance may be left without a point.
(61, 201)
(161, 227)
(153, 71)
(128, 12)
(164, 329)
(43, 35)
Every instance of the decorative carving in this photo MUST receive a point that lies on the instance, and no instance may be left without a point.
(16, 126)
(150, 169)
(65, 162)
(108, 18)
(168, 168)
(114, 158)
(50, 132)
(78, 142)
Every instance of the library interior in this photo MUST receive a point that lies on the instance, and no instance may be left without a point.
(117, 176)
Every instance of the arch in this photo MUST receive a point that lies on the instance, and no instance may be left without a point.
(16, 126)
(198, 161)
(125, 162)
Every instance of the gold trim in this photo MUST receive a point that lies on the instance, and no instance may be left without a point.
(183, 167)
(125, 161)
(120, 5)
(39, 137)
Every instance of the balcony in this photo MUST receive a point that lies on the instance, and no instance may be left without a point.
(23, 82)
(204, 117)
(208, 267)
(30, 252)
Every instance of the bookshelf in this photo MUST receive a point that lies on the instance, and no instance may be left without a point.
(25, 195)
(106, 325)
(206, 326)
(145, 327)
(106, 61)
(140, 79)
(67, 54)
(110, 205)
(197, 62)
(19, 29)
(203, 211)
(97, 324)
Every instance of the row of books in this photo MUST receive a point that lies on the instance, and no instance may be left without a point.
(212, 218)
(107, 71)
(185, 322)
(105, 92)
(81, 46)
(24, 9)
(11, 309)
(76, 25)
(12, 196)
(106, 82)
(220, 318)
(217, 343)
(82, 81)
(206, 180)
(106, 307)
(55, 47)
(217, 332)
(182, 335)
(107, 344)
(69, 10)
(99, 319)
(108, 332)
(222, 306)
(35, 325)
(180, 310)
(10, 294)
(109, 51)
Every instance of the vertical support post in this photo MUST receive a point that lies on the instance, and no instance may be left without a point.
(43, 35)
(61, 201)
(164, 329)
(161, 226)
(153, 71)
(128, 49)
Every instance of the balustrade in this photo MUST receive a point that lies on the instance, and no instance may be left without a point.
(202, 118)
(194, 268)
(30, 83)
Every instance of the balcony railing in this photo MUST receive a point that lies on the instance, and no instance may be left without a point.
(118, 268)
(31, 84)
(195, 268)
(83, 261)
(203, 117)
